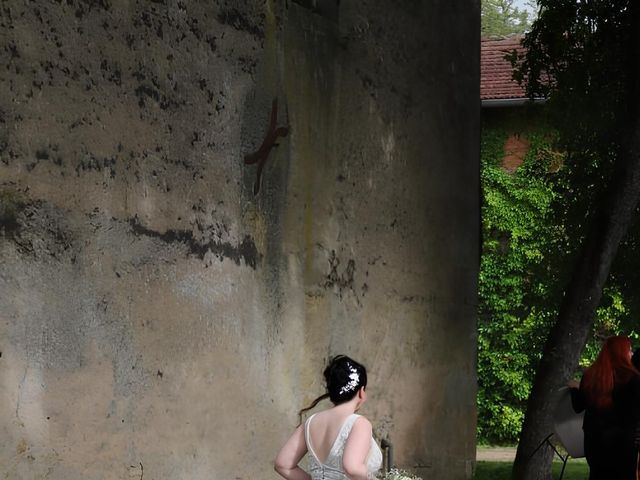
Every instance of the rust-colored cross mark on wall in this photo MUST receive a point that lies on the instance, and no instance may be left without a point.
(261, 155)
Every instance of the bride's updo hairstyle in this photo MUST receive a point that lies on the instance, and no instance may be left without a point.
(344, 377)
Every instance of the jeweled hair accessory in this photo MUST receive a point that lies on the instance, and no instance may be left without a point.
(354, 380)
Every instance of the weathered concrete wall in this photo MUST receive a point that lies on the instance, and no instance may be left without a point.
(154, 312)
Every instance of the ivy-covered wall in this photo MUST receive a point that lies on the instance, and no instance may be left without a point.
(529, 245)
(517, 230)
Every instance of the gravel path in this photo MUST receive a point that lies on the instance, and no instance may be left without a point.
(495, 454)
(506, 454)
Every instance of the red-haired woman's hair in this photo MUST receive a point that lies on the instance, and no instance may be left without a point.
(612, 367)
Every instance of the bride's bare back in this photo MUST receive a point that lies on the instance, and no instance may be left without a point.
(339, 442)
(323, 431)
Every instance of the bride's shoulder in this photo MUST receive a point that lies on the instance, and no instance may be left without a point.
(362, 423)
(319, 417)
(321, 414)
(360, 430)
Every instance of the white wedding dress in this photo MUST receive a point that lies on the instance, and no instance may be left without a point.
(332, 469)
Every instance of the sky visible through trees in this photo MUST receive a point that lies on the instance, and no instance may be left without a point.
(504, 17)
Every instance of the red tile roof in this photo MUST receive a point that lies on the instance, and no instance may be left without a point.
(495, 71)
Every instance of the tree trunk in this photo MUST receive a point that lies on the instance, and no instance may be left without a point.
(568, 336)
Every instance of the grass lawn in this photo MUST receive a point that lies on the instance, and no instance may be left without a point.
(576, 470)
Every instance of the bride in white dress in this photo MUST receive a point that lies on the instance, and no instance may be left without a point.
(339, 442)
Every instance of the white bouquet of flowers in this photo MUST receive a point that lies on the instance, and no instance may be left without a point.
(395, 474)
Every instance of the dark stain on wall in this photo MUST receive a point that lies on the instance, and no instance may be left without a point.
(10, 206)
(4, 137)
(236, 19)
(145, 91)
(49, 153)
(246, 250)
(85, 6)
(37, 228)
(92, 163)
(326, 8)
(344, 281)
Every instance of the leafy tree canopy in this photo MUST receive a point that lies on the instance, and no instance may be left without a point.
(583, 56)
(501, 17)
(578, 56)
(535, 221)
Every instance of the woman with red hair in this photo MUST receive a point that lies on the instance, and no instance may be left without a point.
(610, 394)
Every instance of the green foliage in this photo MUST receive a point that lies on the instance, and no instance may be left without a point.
(518, 230)
(581, 56)
(577, 56)
(500, 17)
(535, 221)
(527, 255)
(575, 470)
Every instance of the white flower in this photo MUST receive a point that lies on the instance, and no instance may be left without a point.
(354, 380)
(395, 474)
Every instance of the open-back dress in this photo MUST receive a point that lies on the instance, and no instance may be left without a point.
(331, 468)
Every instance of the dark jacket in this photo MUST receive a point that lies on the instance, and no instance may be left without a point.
(612, 435)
